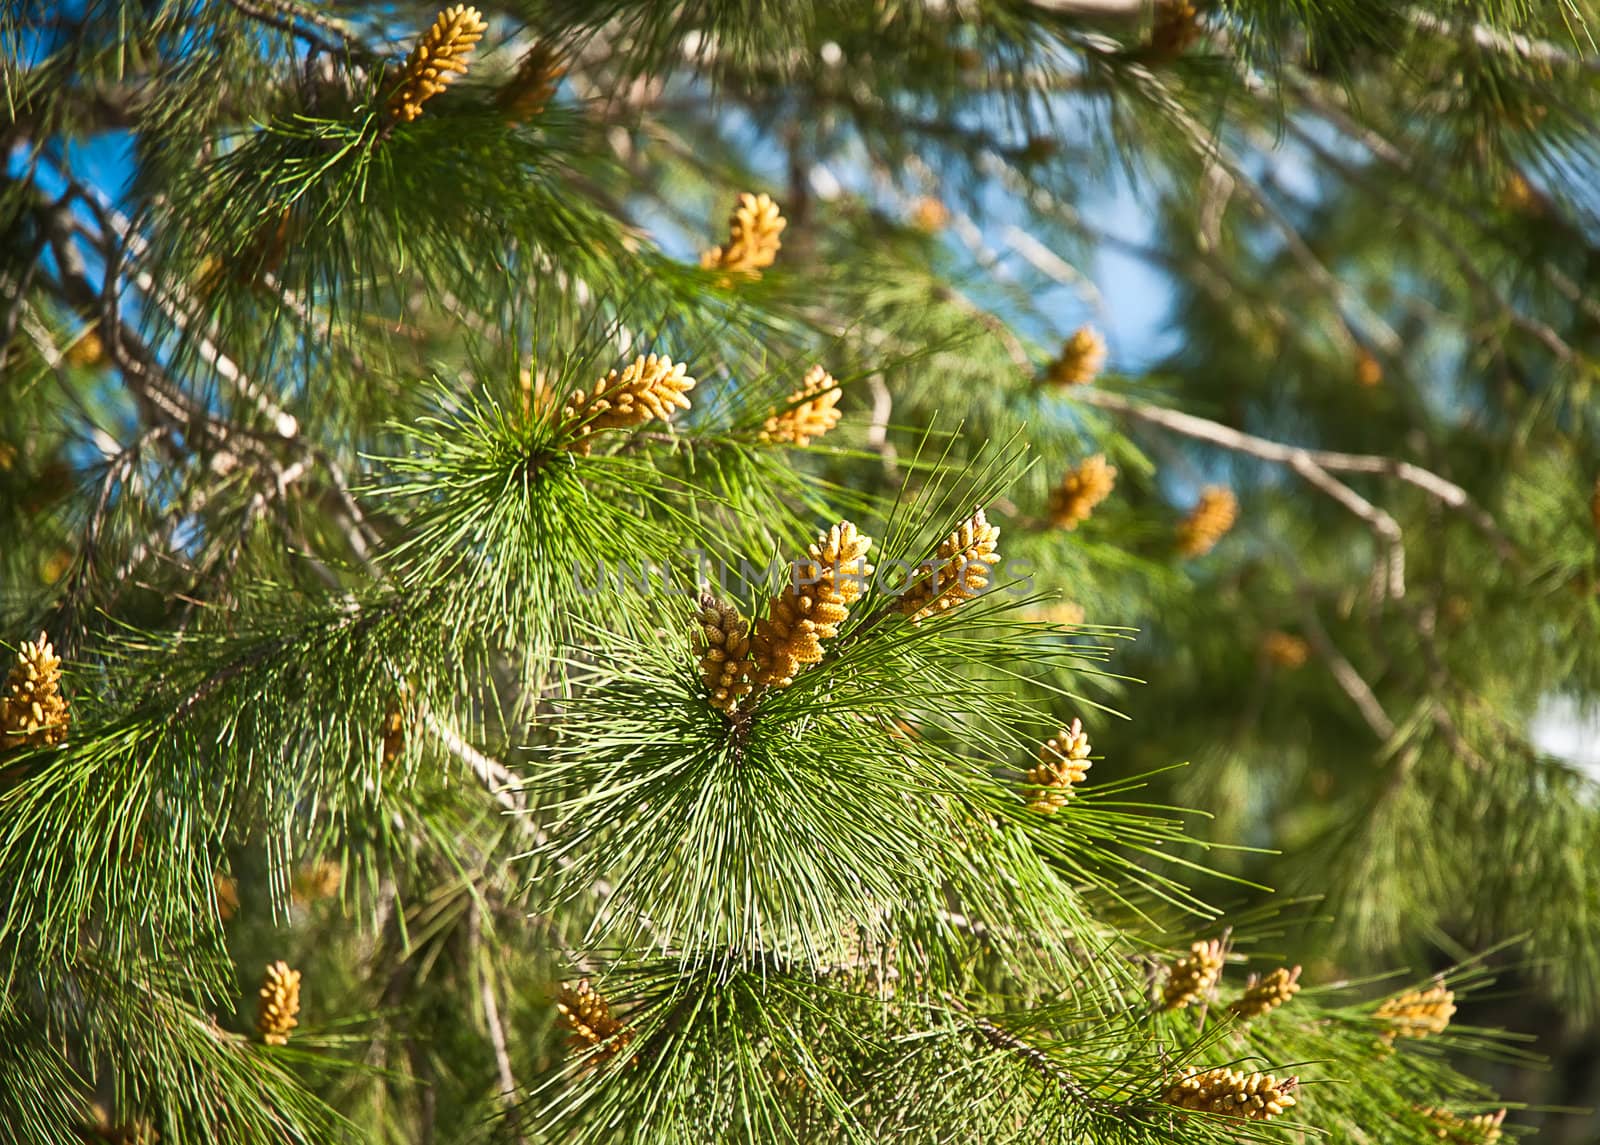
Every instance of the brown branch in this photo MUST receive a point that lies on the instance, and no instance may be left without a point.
(1507, 43)
(181, 308)
(495, 776)
(1386, 528)
(285, 15)
(878, 429)
(1344, 673)
(1203, 429)
(992, 323)
(141, 369)
(183, 311)
(491, 1011)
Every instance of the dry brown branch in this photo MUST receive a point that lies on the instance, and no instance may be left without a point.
(1203, 429)
(1345, 674)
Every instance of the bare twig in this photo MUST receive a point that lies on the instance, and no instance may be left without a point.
(1203, 429)
(1030, 1055)
(288, 16)
(878, 431)
(495, 776)
(1507, 43)
(993, 323)
(176, 302)
(1344, 673)
(1382, 524)
(491, 1009)
(1048, 262)
(118, 469)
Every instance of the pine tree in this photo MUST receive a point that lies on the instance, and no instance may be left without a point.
(573, 571)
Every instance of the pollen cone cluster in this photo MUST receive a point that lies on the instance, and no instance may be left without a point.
(588, 1016)
(394, 734)
(1208, 522)
(1369, 371)
(1263, 995)
(263, 254)
(1063, 762)
(538, 395)
(226, 889)
(810, 412)
(88, 350)
(280, 1003)
(320, 880)
(961, 569)
(439, 56)
(1418, 1013)
(753, 241)
(1084, 487)
(724, 646)
(1283, 650)
(810, 609)
(1082, 357)
(1517, 194)
(1234, 1093)
(526, 93)
(1484, 1129)
(929, 215)
(33, 712)
(1193, 975)
(1177, 26)
(650, 387)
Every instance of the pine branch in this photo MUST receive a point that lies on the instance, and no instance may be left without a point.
(180, 307)
(1376, 330)
(1035, 1060)
(138, 363)
(804, 912)
(1392, 156)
